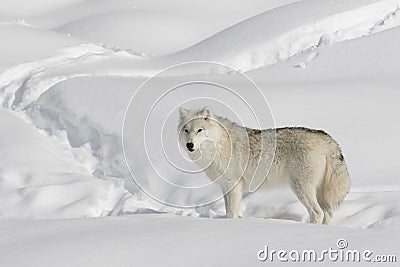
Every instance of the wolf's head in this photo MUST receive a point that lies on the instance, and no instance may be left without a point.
(199, 129)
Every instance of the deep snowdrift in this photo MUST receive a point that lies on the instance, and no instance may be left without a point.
(40, 178)
(268, 38)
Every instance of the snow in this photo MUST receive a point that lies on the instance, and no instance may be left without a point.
(41, 178)
(68, 70)
(149, 240)
(137, 26)
(43, 43)
(243, 46)
(372, 57)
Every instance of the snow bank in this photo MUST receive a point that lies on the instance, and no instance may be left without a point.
(42, 179)
(373, 57)
(25, 43)
(143, 27)
(269, 38)
(266, 39)
(145, 33)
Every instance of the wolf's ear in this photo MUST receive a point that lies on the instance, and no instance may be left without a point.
(207, 112)
(183, 112)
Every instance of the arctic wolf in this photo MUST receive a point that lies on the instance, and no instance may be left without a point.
(241, 159)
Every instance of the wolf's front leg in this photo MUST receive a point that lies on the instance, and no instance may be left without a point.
(232, 201)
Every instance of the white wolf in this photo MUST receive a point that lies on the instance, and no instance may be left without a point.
(240, 158)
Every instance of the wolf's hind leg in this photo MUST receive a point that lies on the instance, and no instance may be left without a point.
(328, 212)
(308, 197)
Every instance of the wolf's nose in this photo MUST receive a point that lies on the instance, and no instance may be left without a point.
(190, 146)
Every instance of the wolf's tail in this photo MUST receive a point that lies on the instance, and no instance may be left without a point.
(336, 183)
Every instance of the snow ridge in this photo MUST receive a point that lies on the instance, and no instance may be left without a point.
(16, 83)
(244, 48)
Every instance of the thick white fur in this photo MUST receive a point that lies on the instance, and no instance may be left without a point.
(240, 160)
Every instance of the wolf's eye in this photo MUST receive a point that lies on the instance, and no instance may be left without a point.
(199, 130)
(186, 131)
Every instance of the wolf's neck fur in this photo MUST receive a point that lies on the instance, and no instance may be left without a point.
(223, 154)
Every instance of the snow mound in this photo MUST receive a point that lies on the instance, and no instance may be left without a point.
(267, 38)
(42, 179)
(15, 49)
(140, 26)
(373, 57)
(145, 33)
(135, 26)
